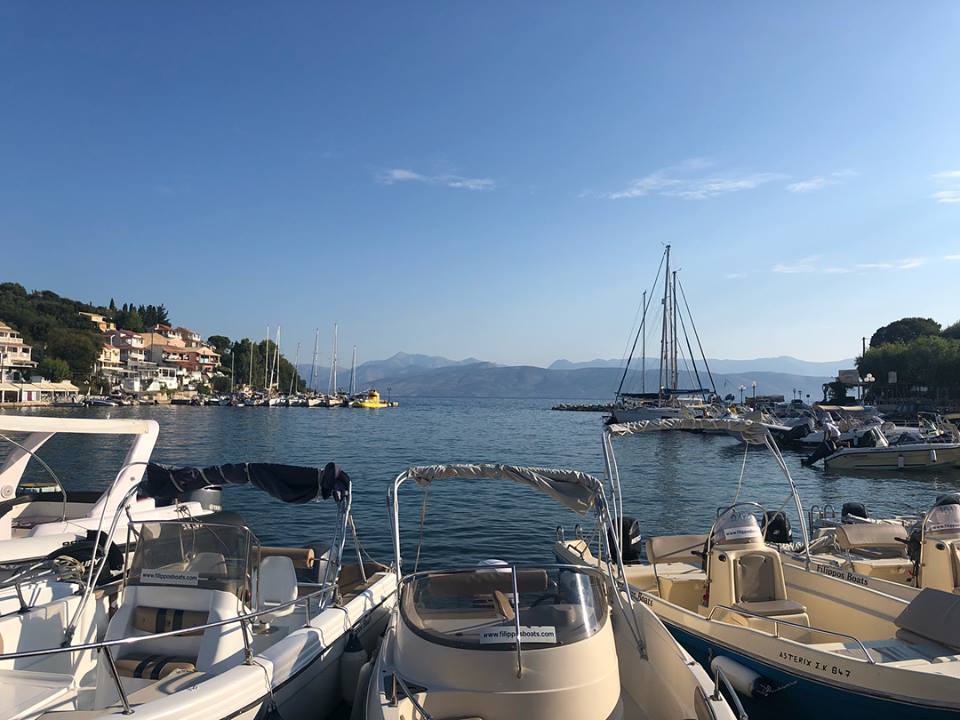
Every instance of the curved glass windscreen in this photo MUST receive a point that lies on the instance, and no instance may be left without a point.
(477, 608)
(193, 554)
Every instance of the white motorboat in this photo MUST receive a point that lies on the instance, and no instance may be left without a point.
(910, 456)
(503, 641)
(795, 640)
(211, 624)
(32, 525)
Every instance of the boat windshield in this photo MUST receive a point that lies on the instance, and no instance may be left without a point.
(476, 609)
(193, 554)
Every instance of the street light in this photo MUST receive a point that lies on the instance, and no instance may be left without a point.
(742, 389)
(754, 383)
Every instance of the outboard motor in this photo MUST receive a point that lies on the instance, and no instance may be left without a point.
(776, 527)
(629, 540)
(932, 552)
(737, 527)
(853, 511)
(799, 431)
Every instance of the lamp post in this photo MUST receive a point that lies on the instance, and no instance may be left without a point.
(754, 384)
(742, 389)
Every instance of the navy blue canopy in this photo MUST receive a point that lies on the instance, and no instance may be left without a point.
(289, 483)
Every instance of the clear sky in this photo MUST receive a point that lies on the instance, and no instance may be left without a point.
(490, 179)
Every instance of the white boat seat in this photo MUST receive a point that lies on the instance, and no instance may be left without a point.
(158, 620)
(932, 615)
(771, 608)
(675, 548)
(871, 536)
(153, 667)
(277, 583)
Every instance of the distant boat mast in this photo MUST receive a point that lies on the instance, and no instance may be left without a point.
(333, 365)
(353, 373)
(313, 367)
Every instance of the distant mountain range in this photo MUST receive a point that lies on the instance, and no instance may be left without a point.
(780, 364)
(412, 375)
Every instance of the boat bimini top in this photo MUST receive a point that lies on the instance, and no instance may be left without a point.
(751, 432)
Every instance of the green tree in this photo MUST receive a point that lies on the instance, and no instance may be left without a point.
(77, 348)
(221, 343)
(54, 369)
(904, 330)
(952, 331)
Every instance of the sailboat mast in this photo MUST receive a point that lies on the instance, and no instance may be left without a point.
(643, 347)
(250, 363)
(353, 373)
(233, 369)
(333, 365)
(674, 378)
(275, 372)
(665, 329)
(296, 365)
(313, 367)
(266, 358)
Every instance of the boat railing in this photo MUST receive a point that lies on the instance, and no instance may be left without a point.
(720, 676)
(410, 695)
(777, 622)
(245, 619)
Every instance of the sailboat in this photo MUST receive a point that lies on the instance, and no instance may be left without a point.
(669, 401)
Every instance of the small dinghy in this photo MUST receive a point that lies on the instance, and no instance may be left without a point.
(503, 640)
(793, 640)
(209, 623)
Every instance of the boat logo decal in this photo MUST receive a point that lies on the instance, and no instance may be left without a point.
(529, 633)
(840, 574)
(170, 577)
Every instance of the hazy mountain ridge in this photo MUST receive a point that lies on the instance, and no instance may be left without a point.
(779, 364)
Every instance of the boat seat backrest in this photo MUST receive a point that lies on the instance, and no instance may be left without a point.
(866, 536)
(933, 615)
(756, 579)
(208, 564)
(276, 581)
(675, 548)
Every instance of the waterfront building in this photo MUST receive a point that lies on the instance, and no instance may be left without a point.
(16, 357)
(102, 322)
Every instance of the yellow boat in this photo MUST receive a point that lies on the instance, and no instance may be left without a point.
(372, 400)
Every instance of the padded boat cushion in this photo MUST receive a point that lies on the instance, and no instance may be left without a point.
(158, 620)
(933, 615)
(772, 608)
(485, 582)
(153, 667)
(871, 535)
(675, 548)
(756, 578)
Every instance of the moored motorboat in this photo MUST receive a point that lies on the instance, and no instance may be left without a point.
(804, 640)
(502, 640)
(212, 624)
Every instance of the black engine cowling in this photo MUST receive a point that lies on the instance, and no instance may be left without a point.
(776, 527)
(629, 540)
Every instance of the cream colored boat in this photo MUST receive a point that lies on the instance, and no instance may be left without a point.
(898, 556)
(915, 456)
(795, 641)
(504, 641)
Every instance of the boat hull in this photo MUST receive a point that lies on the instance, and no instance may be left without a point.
(923, 457)
(800, 696)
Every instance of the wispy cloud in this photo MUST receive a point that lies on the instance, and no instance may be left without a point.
(735, 276)
(951, 257)
(689, 182)
(811, 265)
(950, 181)
(398, 175)
(820, 181)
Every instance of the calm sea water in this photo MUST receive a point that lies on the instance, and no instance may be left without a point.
(674, 482)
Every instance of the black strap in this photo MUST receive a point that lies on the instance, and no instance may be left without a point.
(142, 666)
(160, 624)
(177, 620)
(161, 664)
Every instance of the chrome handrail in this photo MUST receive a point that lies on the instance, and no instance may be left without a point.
(778, 621)
(719, 675)
(516, 619)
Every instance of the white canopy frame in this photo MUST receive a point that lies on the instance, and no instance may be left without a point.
(573, 489)
(752, 433)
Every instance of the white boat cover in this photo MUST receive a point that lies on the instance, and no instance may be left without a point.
(572, 488)
(751, 432)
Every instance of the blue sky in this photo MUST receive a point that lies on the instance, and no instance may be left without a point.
(488, 179)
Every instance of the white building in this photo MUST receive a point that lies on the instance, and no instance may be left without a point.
(15, 356)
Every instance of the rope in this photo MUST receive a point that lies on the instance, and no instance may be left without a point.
(743, 467)
(642, 327)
